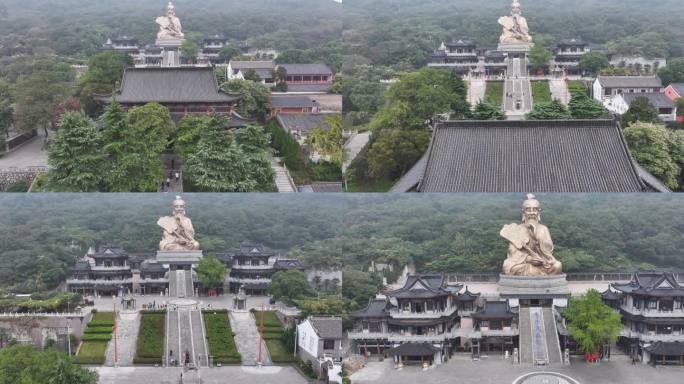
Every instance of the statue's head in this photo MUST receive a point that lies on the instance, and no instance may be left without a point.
(516, 8)
(179, 206)
(171, 10)
(531, 209)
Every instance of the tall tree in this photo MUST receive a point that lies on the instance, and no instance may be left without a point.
(189, 49)
(220, 163)
(138, 167)
(6, 112)
(592, 323)
(673, 72)
(211, 271)
(105, 71)
(329, 143)
(280, 78)
(539, 56)
(75, 156)
(290, 285)
(24, 364)
(581, 106)
(592, 63)
(555, 110)
(228, 52)
(652, 147)
(256, 98)
(70, 104)
(37, 96)
(393, 152)
(641, 110)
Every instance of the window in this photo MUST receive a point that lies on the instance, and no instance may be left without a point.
(328, 345)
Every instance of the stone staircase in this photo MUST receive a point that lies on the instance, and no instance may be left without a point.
(189, 287)
(284, 182)
(247, 338)
(552, 342)
(540, 352)
(559, 90)
(525, 347)
(477, 90)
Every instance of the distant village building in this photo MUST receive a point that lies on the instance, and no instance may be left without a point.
(607, 87)
(667, 110)
(519, 156)
(639, 64)
(652, 308)
(674, 92)
(105, 272)
(319, 341)
(263, 69)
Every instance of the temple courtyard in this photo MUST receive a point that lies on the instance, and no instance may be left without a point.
(232, 374)
(496, 370)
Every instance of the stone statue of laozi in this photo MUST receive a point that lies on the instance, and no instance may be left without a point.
(530, 249)
(178, 234)
(169, 25)
(515, 29)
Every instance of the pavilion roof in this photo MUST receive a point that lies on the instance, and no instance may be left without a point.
(171, 85)
(661, 284)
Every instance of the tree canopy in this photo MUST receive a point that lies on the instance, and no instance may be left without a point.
(592, 63)
(591, 322)
(26, 365)
(555, 110)
(105, 71)
(211, 271)
(290, 285)
(657, 149)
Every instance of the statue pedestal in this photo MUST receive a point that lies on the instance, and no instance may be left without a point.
(169, 43)
(554, 287)
(515, 47)
(179, 258)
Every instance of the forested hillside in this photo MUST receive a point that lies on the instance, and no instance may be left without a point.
(41, 235)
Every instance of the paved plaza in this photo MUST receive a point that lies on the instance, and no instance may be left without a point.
(29, 154)
(232, 374)
(495, 370)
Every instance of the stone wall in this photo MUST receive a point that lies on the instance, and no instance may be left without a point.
(14, 175)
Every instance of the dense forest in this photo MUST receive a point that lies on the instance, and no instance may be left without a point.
(41, 235)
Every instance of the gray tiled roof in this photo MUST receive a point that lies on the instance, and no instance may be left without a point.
(529, 156)
(171, 85)
(652, 183)
(304, 123)
(293, 101)
(630, 81)
(659, 100)
(375, 308)
(671, 348)
(414, 349)
(409, 182)
(494, 310)
(266, 65)
(652, 284)
(307, 69)
(327, 327)
(308, 87)
(679, 88)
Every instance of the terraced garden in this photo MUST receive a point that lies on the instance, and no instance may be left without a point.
(150, 345)
(220, 337)
(274, 337)
(494, 93)
(541, 92)
(95, 338)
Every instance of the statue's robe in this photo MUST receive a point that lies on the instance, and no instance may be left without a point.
(178, 234)
(525, 237)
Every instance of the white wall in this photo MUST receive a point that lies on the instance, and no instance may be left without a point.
(307, 339)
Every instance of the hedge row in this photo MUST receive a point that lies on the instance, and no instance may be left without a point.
(150, 344)
(96, 337)
(220, 338)
(100, 323)
(90, 329)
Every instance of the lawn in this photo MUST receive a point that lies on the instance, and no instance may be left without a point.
(150, 345)
(575, 86)
(95, 339)
(274, 337)
(541, 92)
(220, 337)
(494, 93)
(91, 352)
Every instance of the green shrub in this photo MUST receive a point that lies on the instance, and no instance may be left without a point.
(494, 93)
(541, 92)
(96, 337)
(21, 186)
(271, 320)
(150, 344)
(278, 351)
(91, 330)
(220, 338)
(326, 171)
(102, 317)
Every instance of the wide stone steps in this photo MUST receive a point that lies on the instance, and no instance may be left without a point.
(525, 343)
(559, 90)
(189, 288)
(283, 180)
(552, 342)
(247, 338)
(172, 337)
(540, 353)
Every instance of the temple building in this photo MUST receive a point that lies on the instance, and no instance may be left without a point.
(413, 323)
(105, 272)
(495, 329)
(253, 266)
(652, 308)
(184, 90)
(519, 156)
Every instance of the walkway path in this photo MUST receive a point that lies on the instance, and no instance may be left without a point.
(127, 327)
(173, 165)
(247, 338)
(29, 154)
(353, 147)
(518, 98)
(477, 91)
(283, 180)
(216, 375)
(559, 90)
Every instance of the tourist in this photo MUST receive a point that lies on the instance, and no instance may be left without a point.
(177, 175)
(168, 182)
